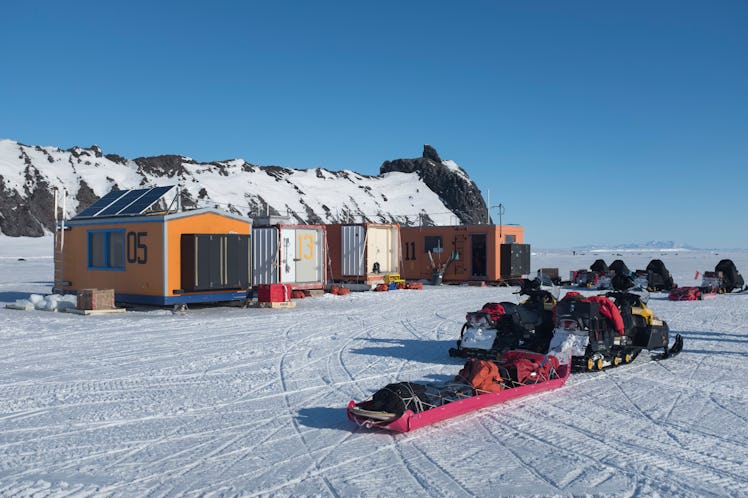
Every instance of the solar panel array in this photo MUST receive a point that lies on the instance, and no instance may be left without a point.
(125, 202)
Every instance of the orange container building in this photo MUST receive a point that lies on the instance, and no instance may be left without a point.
(150, 254)
(489, 253)
(363, 252)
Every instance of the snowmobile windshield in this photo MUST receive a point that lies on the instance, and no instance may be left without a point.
(642, 293)
(552, 289)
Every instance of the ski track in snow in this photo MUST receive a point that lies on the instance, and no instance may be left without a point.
(224, 401)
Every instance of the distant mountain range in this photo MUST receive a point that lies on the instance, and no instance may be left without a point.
(421, 191)
(653, 245)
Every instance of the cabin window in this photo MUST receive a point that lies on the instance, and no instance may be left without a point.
(510, 239)
(434, 244)
(106, 249)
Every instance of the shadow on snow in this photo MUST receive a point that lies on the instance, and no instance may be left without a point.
(12, 297)
(324, 418)
(425, 351)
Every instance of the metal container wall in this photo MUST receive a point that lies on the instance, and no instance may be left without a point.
(264, 256)
(288, 254)
(353, 244)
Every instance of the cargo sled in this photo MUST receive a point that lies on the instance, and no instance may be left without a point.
(610, 330)
(693, 293)
(405, 406)
(690, 293)
(504, 326)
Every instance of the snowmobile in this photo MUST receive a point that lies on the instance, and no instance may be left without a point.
(620, 268)
(610, 330)
(725, 277)
(499, 327)
(658, 277)
(597, 277)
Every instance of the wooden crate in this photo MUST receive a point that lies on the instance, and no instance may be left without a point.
(95, 299)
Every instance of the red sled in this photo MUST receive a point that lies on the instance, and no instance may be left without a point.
(685, 294)
(453, 399)
(692, 293)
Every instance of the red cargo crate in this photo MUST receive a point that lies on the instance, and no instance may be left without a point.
(273, 293)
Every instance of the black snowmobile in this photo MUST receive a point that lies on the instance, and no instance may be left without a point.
(622, 278)
(597, 277)
(620, 268)
(499, 327)
(658, 277)
(606, 331)
(729, 277)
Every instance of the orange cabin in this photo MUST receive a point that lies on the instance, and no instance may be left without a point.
(490, 253)
(158, 259)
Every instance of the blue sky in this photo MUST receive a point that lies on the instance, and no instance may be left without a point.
(592, 122)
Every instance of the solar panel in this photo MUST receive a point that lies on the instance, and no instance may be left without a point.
(123, 202)
(147, 200)
(102, 203)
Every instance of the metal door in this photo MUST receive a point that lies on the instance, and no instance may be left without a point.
(380, 249)
(308, 256)
(353, 244)
(479, 255)
(264, 255)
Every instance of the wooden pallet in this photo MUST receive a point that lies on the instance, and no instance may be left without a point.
(286, 304)
(94, 312)
(28, 307)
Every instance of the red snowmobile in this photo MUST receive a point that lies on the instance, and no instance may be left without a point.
(504, 326)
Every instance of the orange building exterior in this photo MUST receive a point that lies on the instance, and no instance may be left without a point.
(469, 252)
(184, 257)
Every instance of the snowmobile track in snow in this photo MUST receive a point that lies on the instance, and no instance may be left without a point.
(249, 402)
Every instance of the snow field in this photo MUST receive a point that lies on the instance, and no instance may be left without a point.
(225, 401)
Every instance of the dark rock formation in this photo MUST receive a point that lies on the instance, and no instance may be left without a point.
(459, 194)
(169, 166)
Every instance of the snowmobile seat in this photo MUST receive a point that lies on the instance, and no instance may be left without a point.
(621, 282)
(628, 319)
(509, 308)
(528, 316)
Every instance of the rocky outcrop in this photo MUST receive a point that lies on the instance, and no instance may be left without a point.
(168, 166)
(460, 194)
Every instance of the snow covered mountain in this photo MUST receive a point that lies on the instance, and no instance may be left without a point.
(424, 190)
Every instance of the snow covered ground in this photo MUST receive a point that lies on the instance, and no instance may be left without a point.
(224, 401)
